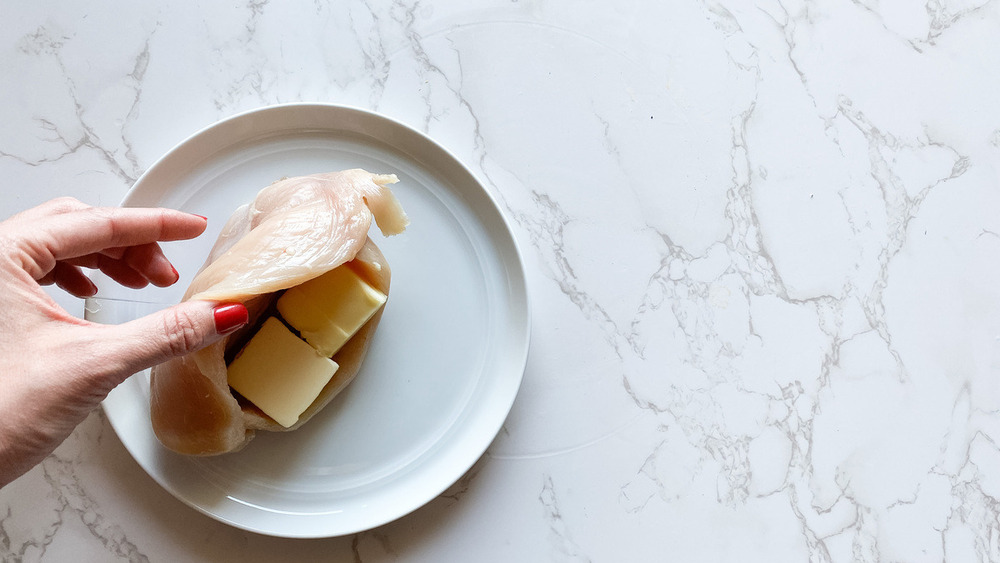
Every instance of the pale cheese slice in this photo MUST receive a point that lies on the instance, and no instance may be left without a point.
(328, 310)
(280, 373)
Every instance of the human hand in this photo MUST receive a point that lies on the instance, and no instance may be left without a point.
(56, 368)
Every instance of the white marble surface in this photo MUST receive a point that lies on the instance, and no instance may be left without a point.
(761, 239)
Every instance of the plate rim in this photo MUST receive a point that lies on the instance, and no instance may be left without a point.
(518, 284)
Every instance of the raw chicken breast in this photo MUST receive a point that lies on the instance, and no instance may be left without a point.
(294, 230)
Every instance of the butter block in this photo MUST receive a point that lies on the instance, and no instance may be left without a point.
(328, 310)
(280, 373)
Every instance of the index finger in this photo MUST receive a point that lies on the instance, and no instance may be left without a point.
(86, 231)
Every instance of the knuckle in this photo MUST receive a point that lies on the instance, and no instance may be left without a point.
(8, 246)
(182, 333)
(65, 204)
(106, 219)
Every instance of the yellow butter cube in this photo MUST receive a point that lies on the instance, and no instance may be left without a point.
(328, 310)
(280, 373)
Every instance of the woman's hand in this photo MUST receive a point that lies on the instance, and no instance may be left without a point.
(56, 368)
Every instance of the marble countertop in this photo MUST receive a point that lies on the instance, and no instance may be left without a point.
(761, 240)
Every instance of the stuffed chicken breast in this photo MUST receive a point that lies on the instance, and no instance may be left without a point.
(299, 257)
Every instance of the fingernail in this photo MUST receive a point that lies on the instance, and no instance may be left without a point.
(157, 265)
(230, 317)
(92, 291)
(202, 216)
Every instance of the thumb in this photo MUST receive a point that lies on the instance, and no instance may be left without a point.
(175, 331)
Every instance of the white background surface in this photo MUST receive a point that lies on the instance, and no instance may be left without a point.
(760, 237)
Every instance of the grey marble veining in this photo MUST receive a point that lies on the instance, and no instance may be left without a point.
(761, 243)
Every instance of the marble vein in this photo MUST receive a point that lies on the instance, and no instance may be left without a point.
(373, 50)
(942, 18)
(405, 16)
(464, 483)
(44, 43)
(563, 546)
(65, 501)
(381, 540)
(739, 375)
(248, 70)
(546, 221)
(750, 259)
(75, 501)
(36, 546)
(900, 209)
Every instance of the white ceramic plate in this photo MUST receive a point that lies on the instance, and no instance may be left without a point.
(445, 364)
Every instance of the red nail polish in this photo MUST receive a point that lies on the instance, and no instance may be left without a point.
(202, 216)
(177, 276)
(230, 317)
